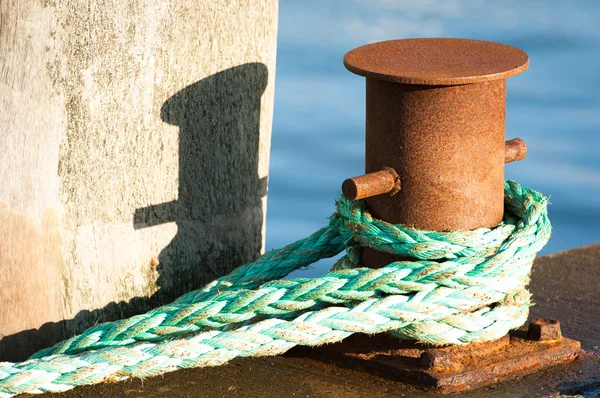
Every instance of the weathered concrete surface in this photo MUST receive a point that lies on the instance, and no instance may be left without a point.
(133, 155)
(565, 286)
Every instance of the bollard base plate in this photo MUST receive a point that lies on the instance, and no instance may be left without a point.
(447, 369)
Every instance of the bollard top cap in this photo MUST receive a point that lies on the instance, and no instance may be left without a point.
(435, 61)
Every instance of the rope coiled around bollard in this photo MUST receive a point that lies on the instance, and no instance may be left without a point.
(467, 286)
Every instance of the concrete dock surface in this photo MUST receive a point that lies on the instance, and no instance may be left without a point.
(565, 286)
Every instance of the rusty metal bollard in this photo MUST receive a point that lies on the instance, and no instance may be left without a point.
(435, 133)
(435, 155)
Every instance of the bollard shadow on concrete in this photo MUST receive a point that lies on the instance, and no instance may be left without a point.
(219, 206)
(218, 210)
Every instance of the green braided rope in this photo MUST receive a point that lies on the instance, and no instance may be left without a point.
(476, 294)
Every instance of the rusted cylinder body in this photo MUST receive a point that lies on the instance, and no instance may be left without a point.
(447, 145)
(435, 113)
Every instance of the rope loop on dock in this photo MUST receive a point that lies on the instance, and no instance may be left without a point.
(463, 287)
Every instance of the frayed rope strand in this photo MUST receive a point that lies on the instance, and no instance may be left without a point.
(475, 291)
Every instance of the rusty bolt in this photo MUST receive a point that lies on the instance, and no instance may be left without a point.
(514, 150)
(544, 329)
(431, 359)
(371, 184)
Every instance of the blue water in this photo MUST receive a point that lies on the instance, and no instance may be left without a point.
(318, 128)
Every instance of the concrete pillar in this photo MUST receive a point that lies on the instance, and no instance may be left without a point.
(134, 154)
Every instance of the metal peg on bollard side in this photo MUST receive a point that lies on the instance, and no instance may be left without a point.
(372, 184)
(514, 150)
